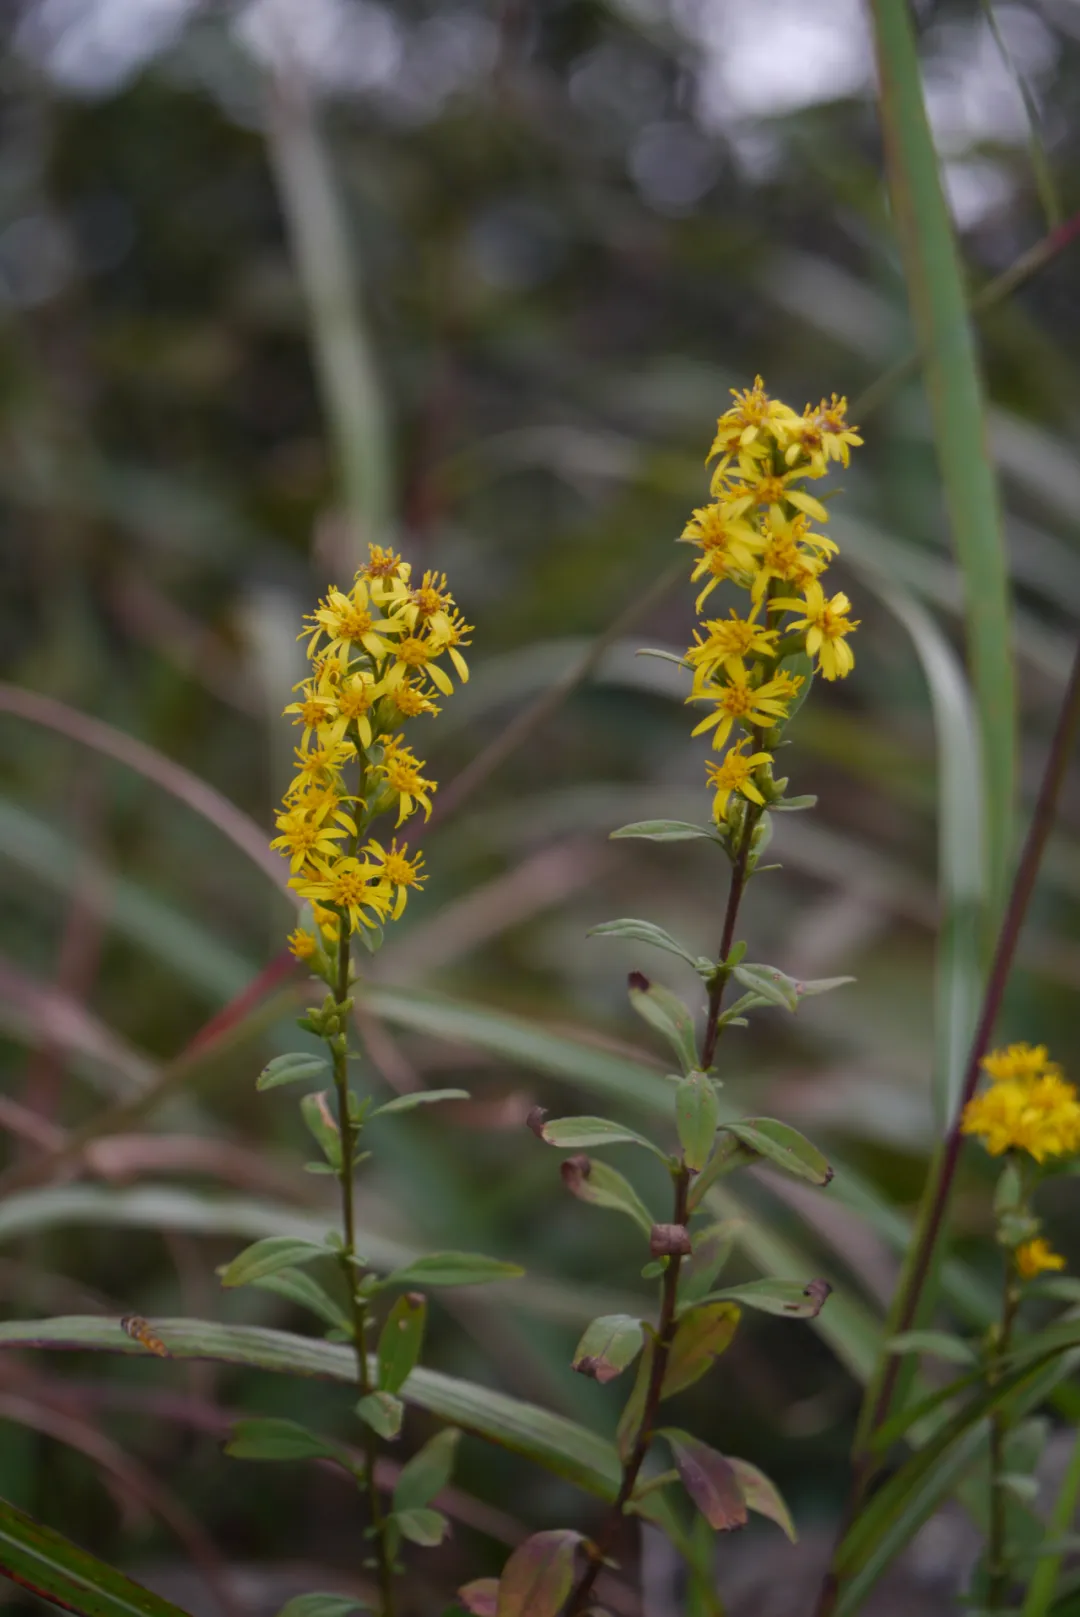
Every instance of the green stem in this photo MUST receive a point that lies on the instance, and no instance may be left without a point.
(1043, 1585)
(997, 1560)
(357, 1302)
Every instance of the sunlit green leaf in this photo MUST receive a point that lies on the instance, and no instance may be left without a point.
(643, 932)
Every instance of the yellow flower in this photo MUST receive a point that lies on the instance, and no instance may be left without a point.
(305, 836)
(347, 624)
(1040, 1116)
(301, 944)
(411, 701)
(752, 416)
(1033, 1257)
(397, 869)
(350, 886)
(448, 638)
(353, 698)
(1021, 1061)
(320, 766)
(728, 547)
(823, 435)
(401, 770)
(728, 641)
(827, 626)
(755, 708)
(735, 774)
(757, 485)
(791, 553)
(313, 711)
(432, 602)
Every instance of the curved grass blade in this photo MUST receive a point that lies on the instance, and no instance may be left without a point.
(549, 1440)
(42, 1560)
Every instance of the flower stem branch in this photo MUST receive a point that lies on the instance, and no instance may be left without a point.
(997, 1562)
(358, 1307)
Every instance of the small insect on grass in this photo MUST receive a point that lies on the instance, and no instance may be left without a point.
(142, 1332)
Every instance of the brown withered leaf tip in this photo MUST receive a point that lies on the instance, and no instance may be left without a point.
(535, 1120)
(669, 1241)
(818, 1291)
(574, 1170)
(638, 979)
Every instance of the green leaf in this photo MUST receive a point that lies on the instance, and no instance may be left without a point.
(323, 1127)
(593, 1181)
(938, 296)
(291, 1069)
(665, 1012)
(610, 1344)
(936, 1344)
(697, 1113)
(792, 805)
(424, 1527)
(704, 1332)
(643, 932)
(576, 1133)
(537, 1578)
(383, 1413)
(665, 831)
(419, 1097)
(548, 1439)
(783, 1147)
(769, 984)
(762, 1495)
(268, 1256)
(49, 1565)
(709, 1479)
(428, 1472)
(401, 1341)
(792, 1299)
(728, 1155)
(264, 1437)
(810, 987)
(453, 1269)
(712, 1248)
(480, 1597)
(322, 1605)
(298, 1287)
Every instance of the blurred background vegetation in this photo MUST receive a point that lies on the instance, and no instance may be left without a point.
(282, 276)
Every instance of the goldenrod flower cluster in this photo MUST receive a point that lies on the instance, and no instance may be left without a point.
(378, 658)
(1027, 1106)
(758, 534)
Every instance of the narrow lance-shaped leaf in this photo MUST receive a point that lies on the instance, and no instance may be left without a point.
(419, 1097)
(578, 1133)
(608, 1346)
(697, 1112)
(664, 1011)
(291, 1069)
(323, 1126)
(727, 1155)
(643, 932)
(266, 1437)
(665, 831)
(593, 1181)
(453, 1269)
(935, 1344)
(428, 1472)
(703, 1334)
(269, 1255)
(298, 1287)
(51, 1566)
(401, 1341)
(763, 1496)
(710, 1480)
(769, 984)
(782, 1147)
(537, 1578)
(791, 1299)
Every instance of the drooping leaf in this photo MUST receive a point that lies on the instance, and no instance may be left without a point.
(791, 1299)
(322, 1605)
(428, 1472)
(480, 1597)
(454, 1269)
(935, 1344)
(537, 1578)
(298, 1287)
(561, 1446)
(643, 932)
(769, 984)
(291, 1069)
(697, 1112)
(322, 1125)
(401, 1341)
(268, 1256)
(594, 1181)
(710, 1480)
(665, 1012)
(424, 1527)
(419, 1097)
(383, 1413)
(783, 1147)
(713, 1246)
(810, 987)
(665, 831)
(578, 1133)
(702, 1335)
(265, 1437)
(49, 1565)
(763, 1496)
(610, 1344)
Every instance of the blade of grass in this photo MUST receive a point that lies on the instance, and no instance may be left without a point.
(954, 387)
